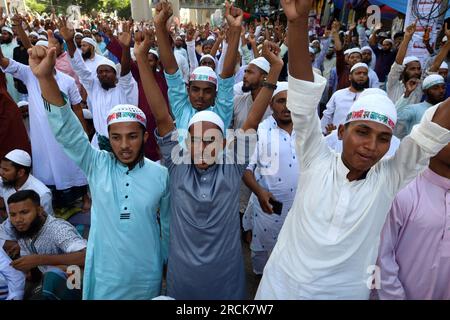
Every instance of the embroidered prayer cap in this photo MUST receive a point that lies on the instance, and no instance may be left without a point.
(261, 63)
(204, 73)
(410, 59)
(20, 157)
(126, 113)
(207, 116)
(372, 91)
(432, 80)
(373, 107)
(107, 62)
(359, 65)
(281, 86)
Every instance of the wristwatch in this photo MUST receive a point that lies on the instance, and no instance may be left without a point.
(269, 85)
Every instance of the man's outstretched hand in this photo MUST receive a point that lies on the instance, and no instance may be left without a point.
(42, 60)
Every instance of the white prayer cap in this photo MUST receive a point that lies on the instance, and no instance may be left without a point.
(354, 50)
(281, 86)
(22, 103)
(432, 80)
(78, 34)
(206, 56)
(8, 29)
(42, 37)
(210, 38)
(56, 31)
(444, 39)
(126, 113)
(86, 30)
(366, 48)
(20, 157)
(153, 51)
(107, 62)
(34, 33)
(178, 38)
(388, 40)
(346, 52)
(204, 73)
(207, 116)
(182, 33)
(359, 65)
(370, 91)
(315, 41)
(311, 50)
(87, 114)
(368, 32)
(444, 65)
(410, 59)
(261, 63)
(42, 43)
(89, 41)
(373, 107)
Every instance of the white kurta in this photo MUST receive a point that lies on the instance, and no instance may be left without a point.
(8, 50)
(242, 105)
(50, 164)
(275, 167)
(92, 64)
(101, 101)
(11, 278)
(338, 107)
(329, 241)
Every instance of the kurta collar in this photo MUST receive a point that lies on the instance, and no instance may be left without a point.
(436, 179)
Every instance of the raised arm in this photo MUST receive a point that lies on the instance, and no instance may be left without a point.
(152, 91)
(68, 35)
(125, 42)
(163, 13)
(442, 53)
(403, 48)
(17, 20)
(270, 52)
(234, 18)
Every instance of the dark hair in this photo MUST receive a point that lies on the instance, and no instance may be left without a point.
(59, 38)
(23, 195)
(399, 34)
(18, 166)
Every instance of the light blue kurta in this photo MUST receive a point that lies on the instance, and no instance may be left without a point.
(126, 247)
(408, 116)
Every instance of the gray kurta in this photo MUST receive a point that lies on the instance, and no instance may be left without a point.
(205, 255)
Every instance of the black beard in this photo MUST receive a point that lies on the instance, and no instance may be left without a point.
(86, 55)
(368, 61)
(360, 86)
(249, 88)
(8, 41)
(329, 56)
(285, 121)
(8, 184)
(106, 86)
(434, 101)
(34, 228)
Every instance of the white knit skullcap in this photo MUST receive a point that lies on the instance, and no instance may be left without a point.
(206, 56)
(78, 34)
(20, 157)
(207, 116)
(359, 65)
(432, 80)
(42, 43)
(8, 29)
(281, 86)
(388, 40)
(22, 103)
(410, 59)
(126, 113)
(354, 50)
(107, 62)
(444, 65)
(89, 41)
(261, 63)
(34, 33)
(153, 51)
(42, 37)
(366, 48)
(444, 39)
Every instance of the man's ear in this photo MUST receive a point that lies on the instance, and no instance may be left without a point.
(341, 131)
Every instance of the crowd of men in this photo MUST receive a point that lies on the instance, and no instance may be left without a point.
(327, 151)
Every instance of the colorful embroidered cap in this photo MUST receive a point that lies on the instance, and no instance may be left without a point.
(373, 107)
(126, 113)
(204, 74)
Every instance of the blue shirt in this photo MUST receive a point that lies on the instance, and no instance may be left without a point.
(127, 246)
(408, 116)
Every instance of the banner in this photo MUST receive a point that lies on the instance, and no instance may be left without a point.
(421, 11)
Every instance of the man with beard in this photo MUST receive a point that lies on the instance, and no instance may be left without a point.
(130, 194)
(15, 170)
(106, 88)
(368, 57)
(8, 43)
(434, 89)
(50, 164)
(341, 101)
(46, 243)
(178, 47)
(254, 76)
(406, 68)
(271, 178)
(78, 37)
